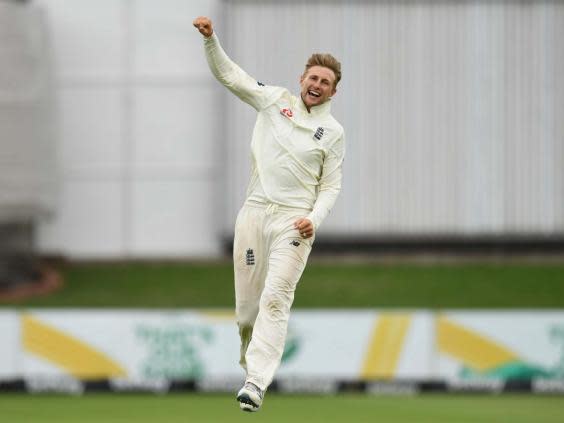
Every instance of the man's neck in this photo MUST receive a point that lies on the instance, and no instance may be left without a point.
(305, 105)
(318, 108)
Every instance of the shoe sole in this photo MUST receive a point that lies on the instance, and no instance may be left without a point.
(246, 403)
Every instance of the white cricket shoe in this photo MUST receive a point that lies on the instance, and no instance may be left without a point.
(250, 397)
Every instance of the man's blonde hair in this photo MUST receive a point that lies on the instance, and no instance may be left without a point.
(327, 61)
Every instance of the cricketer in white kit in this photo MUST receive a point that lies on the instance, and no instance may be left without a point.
(297, 153)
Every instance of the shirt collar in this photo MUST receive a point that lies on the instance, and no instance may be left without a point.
(322, 109)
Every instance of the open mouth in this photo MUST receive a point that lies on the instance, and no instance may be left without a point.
(314, 94)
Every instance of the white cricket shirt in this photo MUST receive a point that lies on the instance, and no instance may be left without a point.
(296, 155)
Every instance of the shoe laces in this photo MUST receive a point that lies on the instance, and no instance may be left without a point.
(255, 388)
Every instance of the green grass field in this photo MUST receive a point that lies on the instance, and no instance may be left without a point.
(281, 408)
(342, 285)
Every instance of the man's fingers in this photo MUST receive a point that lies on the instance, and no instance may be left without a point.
(304, 227)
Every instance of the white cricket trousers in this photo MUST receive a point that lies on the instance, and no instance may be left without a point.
(269, 256)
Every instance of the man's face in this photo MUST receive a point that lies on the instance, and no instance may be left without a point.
(317, 85)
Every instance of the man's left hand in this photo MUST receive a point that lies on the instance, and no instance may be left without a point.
(305, 227)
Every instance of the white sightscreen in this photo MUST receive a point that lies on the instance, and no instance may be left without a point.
(453, 110)
(27, 144)
(137, 137)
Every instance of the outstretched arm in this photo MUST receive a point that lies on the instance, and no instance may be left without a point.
(227, 72)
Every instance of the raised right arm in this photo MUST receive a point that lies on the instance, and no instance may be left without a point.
(229, 73)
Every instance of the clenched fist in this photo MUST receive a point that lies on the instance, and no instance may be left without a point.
(204, 25)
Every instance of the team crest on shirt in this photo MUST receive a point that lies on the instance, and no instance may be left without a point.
(286, 112)
(319, 133)
(250, 257)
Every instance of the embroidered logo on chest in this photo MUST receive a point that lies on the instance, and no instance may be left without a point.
(319, 133)
(286, 112)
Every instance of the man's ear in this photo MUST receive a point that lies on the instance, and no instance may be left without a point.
(334, 92)
(302, 78)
